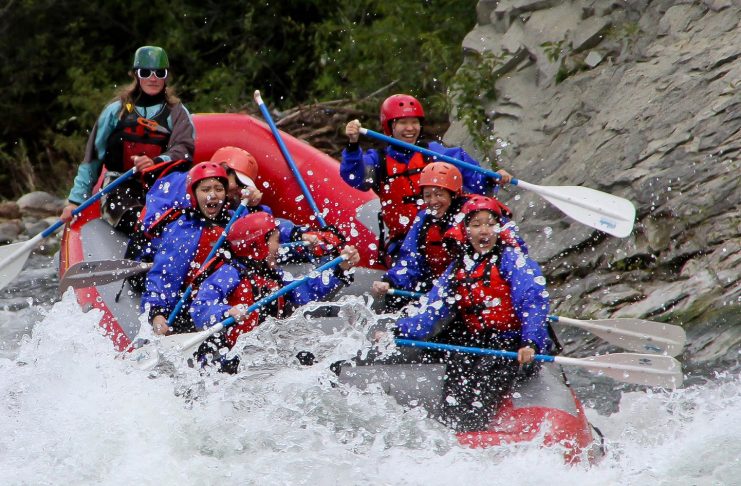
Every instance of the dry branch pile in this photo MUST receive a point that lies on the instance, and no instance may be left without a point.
(322, 125)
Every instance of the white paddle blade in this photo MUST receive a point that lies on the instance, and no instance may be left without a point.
(612, 214)
(639, 369)
(645, 336)
(183, 345)
(144, 358)
(635, 334)
(13, 257)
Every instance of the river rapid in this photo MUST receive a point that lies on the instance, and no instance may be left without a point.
(72, 413)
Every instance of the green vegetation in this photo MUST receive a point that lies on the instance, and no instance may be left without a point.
(562, 53)
(473, 84)
(62, 61)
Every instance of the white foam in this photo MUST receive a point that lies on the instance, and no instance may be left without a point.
(70, 413)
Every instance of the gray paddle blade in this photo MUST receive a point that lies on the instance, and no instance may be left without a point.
(639, 369)
(633, 334)
(100, 272)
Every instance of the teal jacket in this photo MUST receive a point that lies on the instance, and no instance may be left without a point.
(180, 146)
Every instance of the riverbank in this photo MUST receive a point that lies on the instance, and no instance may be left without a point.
(28, 216)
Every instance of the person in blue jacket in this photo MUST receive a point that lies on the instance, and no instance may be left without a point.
(428, 248)
(146, 127)
(253, 273)
(169, 197)
(184, 245)
(394, 173)
(491, 296)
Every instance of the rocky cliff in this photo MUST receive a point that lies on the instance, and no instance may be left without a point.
(642, 100)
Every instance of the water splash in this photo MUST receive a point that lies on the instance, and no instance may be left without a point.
(72, 413)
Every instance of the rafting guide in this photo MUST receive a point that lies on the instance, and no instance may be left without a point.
(146, 127)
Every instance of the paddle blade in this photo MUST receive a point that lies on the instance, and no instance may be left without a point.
(643, 336)
(184, 344)
(148, 355)
(100, 272)
(639, 369)
(144, 356)
(634, 334)
(12, 259)
(612, 214)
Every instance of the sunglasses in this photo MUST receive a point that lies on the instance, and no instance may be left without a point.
(145, 73)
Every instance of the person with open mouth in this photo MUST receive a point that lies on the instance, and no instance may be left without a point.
(492, 295)
(427, 250)
(183, 246)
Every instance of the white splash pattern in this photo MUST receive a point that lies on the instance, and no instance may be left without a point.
(70, 413)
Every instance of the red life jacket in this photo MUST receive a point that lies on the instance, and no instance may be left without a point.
(209, 235)
(159, 225)
(436, 253)
(399, 192)
(131, 136)
(252, 288)
(435, 243)
(485, 300)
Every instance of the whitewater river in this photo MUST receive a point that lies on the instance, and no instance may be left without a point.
(70, 413)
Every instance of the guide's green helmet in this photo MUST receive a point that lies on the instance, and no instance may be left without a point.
(150, 57)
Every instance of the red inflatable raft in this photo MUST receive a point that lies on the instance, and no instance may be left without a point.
(544, 406)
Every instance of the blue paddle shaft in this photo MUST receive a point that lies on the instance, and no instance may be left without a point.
(434, 155)
(294, 244)
(469, 350)
(284, 290)
(291, 163)
(91, 200)
(406, 293)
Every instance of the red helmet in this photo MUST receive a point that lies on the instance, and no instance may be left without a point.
(248, 235)
(239, 160)
(442, 174)
(482, 203)
(399, 106)
(199, 172)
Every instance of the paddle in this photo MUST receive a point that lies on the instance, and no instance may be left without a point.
(628, 333)
(639, 369)
(405, 293)
(100, 272)
(633, 334)
(289, 159)
(14, 256)
(605, 212)
(146, 357)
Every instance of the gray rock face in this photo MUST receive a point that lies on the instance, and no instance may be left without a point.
(654, 116)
